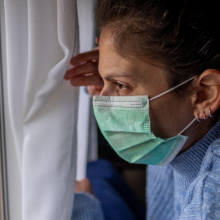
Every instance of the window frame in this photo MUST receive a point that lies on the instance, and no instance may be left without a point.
(4, 208)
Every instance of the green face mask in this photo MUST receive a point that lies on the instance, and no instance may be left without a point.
(125, 123)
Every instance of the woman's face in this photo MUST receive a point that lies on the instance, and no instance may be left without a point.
(132, 77)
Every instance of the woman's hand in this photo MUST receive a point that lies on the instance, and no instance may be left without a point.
(94, 90)
(84, 186)
(84, 71)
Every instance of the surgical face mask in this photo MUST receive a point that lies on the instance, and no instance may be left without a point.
(125, 123)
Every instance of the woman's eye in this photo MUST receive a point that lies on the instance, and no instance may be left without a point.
(121, 86)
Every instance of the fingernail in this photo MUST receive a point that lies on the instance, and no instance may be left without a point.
(74, 81)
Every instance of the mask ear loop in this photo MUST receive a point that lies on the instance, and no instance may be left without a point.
(172, 89)
(187, 126)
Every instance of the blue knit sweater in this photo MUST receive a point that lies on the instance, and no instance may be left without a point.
(187, 188)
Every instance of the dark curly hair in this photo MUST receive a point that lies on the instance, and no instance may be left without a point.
(182, 35)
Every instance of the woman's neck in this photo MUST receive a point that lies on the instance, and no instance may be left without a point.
(197, 131)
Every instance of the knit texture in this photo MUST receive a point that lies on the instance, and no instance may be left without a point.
(86, 207)
(169, 187)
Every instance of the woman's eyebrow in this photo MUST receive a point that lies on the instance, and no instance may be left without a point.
(114, 75)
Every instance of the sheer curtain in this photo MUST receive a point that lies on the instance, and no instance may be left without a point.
(41, 37)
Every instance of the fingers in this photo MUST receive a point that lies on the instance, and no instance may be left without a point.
(94, 80)
(94, 90)
(89, 67)
(82, 57)
(85, 69)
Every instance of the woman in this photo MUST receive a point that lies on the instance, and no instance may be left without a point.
(163, 55)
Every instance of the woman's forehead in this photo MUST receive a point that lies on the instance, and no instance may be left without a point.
(111, 64)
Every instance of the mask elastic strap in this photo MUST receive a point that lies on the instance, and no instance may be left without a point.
(187, 126)
(172, 88)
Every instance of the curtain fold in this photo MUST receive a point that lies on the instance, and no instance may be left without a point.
(41, 37)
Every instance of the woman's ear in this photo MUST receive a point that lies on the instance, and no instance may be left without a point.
(207, 93)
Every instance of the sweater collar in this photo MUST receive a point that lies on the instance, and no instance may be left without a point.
(187, 164)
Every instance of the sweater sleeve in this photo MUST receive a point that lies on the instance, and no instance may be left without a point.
(203, 198)
(86, 207)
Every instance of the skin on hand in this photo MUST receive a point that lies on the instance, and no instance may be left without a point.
(94, 90)
(84, 186)
(85, 71)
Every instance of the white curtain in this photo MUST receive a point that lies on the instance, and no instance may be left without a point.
(87, 130)
(41, 37)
